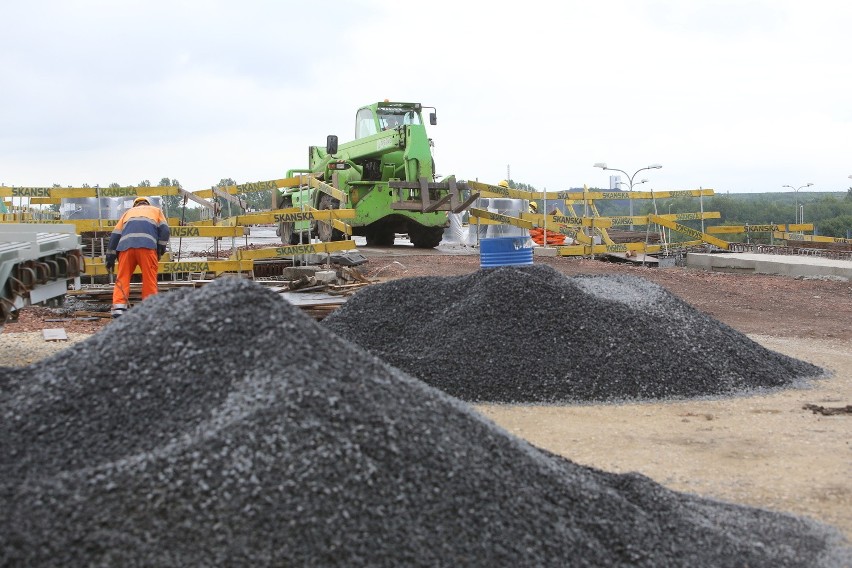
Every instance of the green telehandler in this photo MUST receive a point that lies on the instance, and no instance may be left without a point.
(387, 175)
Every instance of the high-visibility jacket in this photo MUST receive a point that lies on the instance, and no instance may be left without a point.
(143, 226)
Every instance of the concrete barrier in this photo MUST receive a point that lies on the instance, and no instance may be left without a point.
(785, 265)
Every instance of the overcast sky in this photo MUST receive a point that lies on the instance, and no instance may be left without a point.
(738, 96)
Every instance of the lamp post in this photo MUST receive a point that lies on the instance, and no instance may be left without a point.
(630, 184)
(670, 229)
(796, 197)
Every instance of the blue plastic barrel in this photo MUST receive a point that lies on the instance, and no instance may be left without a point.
(505, 251)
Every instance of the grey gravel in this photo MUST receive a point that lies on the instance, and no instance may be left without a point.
(529, 334)
(223, 427)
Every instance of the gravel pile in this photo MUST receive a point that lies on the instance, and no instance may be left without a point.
(223, 427)
(530, 334)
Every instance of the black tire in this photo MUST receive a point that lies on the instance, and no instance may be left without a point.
(287, 231)
(425, 237)
(325, 231)
(380, 237)
(290, 236)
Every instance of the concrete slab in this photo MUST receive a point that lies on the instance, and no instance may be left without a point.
(545, 251)
(785, 265)
(55, 334)
(312, 298)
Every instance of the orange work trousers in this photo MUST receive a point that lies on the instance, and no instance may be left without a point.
(128, 260)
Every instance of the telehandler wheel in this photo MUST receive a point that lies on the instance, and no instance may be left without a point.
(289, 235)
(287, 232)
(380, 238)
(425, 237)
(325, 231)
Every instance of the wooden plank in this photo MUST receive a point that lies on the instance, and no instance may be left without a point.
(85, 314)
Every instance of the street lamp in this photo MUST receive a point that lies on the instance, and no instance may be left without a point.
(635, 184)
(603, 166)
(796, 197)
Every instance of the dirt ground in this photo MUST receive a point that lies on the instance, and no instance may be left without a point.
(764, 451)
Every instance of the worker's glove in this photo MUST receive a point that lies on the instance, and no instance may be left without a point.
(161, 250)
(110, 262)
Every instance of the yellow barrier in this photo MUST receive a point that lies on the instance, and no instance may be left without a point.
(809, 238)
(208, 231)
(736, 229)
(289, 215)
(293, 250)
(78, 192)
(86, 225)
(95, 267)
(586, 250)
(488, 190)
(266, 185)
(484, 217)
(689, 231)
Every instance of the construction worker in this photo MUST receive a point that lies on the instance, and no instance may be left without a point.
(138, 239)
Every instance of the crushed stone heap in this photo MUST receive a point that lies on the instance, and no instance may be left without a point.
(223, 427)
(532, 335)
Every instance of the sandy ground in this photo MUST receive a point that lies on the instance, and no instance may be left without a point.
(763, 451)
